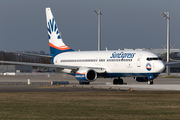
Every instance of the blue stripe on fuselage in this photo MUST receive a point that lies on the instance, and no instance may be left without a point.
(109, 75)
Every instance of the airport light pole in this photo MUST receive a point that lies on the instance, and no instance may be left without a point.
(38, 50)
(166, 16)
(98, 12)
(2, 63)
(21, 54)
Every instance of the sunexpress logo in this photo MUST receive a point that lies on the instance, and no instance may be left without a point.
(148, 66)
(122, 55)
(52, 29)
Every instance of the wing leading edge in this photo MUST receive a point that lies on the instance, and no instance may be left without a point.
(97, 69)
(44, 56)
(39, 64)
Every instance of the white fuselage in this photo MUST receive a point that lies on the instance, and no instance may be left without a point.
(125, 62)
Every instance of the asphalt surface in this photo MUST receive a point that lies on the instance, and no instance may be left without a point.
(42, 84)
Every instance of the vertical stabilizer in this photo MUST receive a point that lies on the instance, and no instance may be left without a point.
(56, 43)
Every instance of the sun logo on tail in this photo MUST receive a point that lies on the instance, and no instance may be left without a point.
(52, 29)
(55, 40)
(56, 43)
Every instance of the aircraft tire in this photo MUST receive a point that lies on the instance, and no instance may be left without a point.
(120, 81)
(84, 83)
(150, 82)
(115, 81)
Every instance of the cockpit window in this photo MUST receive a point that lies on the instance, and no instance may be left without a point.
(156, 58)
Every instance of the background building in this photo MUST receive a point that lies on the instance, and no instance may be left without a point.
(15, 68)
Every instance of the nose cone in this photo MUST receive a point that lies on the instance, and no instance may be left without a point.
(160, 66)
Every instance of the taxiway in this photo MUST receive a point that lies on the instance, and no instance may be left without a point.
(40, 84)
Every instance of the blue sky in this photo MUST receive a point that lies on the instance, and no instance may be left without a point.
(124, 23)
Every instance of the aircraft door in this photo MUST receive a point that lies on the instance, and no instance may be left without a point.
(139, 61)
(97, 63)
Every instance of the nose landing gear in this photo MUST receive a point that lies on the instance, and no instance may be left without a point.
(150, 80)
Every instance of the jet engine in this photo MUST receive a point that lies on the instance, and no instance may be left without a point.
(86, 75)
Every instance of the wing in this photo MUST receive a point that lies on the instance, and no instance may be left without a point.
(174, 60)
(45, 56)
(97, 69)
(38, 64)
(172, 63)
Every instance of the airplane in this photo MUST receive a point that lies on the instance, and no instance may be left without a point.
(174, 60)
(87, 66)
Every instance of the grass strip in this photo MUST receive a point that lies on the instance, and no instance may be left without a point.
(109, 105)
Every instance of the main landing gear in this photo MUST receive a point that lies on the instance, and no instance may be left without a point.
(83, 83)
(118, 81)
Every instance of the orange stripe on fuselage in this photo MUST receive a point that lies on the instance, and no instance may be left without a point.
(60, 47)
(80, 73)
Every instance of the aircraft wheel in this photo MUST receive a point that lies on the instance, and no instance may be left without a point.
(120, 81)
(83, 83)
(86, 83)
(150, 82)
(115, 81)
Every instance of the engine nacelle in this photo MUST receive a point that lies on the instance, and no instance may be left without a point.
(86, 75)
(141, 79)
